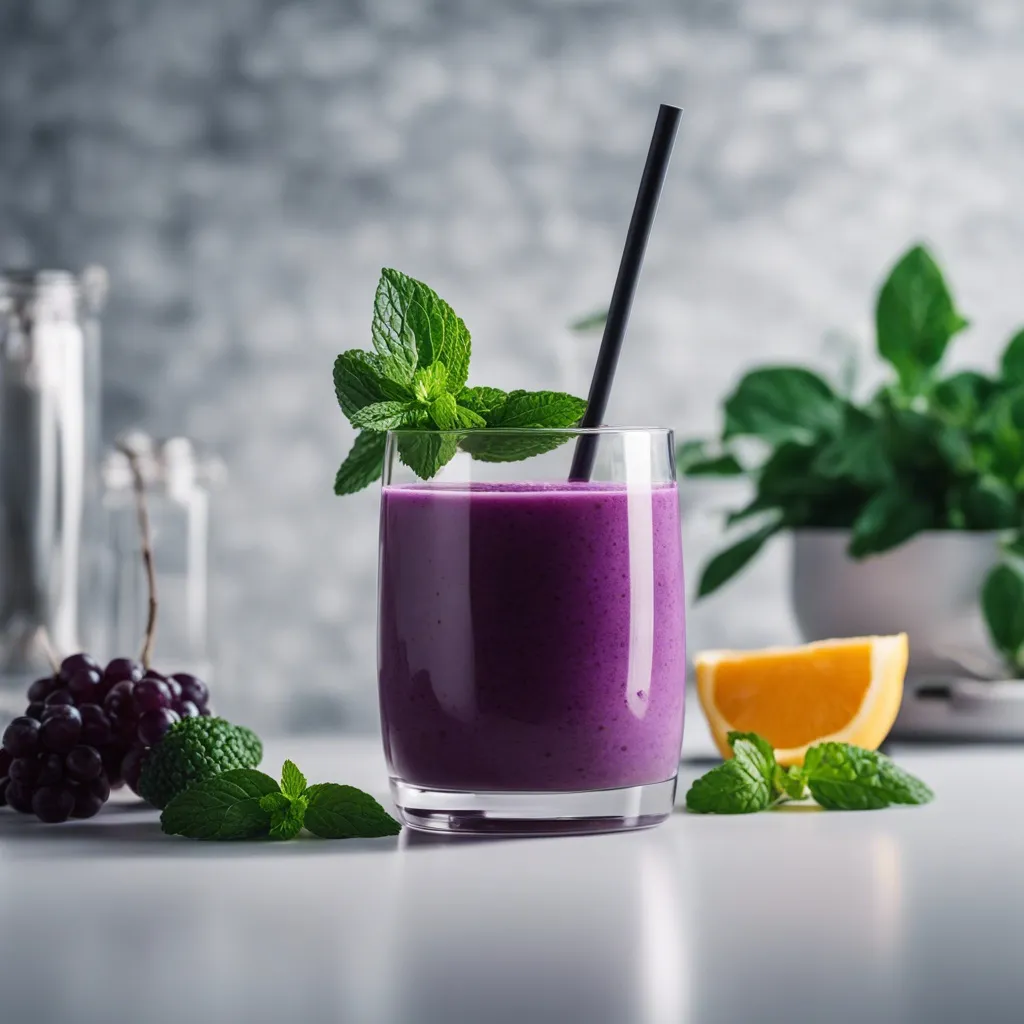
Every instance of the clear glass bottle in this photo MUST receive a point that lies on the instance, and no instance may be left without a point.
(178, 485)
(49, 468)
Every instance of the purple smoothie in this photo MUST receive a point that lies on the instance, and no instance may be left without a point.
(523, 644)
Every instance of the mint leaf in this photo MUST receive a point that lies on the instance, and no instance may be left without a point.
(494, 446)
(538, 409)
(732, 788)
(286, 814)
(363, 465)
(293, 782)
(444, 412)
(224, 807)
(590, 322)
(468, 419)
(288, 825)
(413, 326)
(1002, 602)
(763, 752)
(426, 452)
(483, 401)
(344, 812)
(1012, 363)
(782, 403)
(740, 786)
(727, 563)
(892, 516)
(915, 318)
(431, 382)
(789, 782)
(519, 410)
(360, 380)
(846, 778)
(382, 416)
(391, 331)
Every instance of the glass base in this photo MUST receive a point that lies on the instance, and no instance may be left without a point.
(535, 814)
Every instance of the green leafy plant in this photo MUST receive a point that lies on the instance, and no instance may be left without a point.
(415, 380)
(926, 451)
(245, 803)
(839, 777)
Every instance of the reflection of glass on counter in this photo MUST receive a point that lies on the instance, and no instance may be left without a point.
(177, 493)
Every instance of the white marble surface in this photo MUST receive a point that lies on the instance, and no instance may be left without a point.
(914, 914)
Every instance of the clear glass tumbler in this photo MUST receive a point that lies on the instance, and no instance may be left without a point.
(531, 636)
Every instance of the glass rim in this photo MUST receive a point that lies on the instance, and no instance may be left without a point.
(560, 431)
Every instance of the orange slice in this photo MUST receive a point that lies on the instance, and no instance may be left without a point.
(845, 690)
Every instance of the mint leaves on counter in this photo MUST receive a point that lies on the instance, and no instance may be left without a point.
(840, 777)
(415, 379)
(245, 803)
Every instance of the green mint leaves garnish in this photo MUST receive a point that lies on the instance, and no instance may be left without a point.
(839, 776)
(342, 812)
(738, 786)
(245, 803)
(845, 778)
(415, 380)
(227, 806)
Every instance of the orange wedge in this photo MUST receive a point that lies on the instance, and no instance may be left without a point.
(844, 690)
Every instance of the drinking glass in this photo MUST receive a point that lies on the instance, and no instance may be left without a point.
(531, 638)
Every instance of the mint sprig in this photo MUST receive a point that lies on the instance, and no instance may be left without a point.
(415, 380)
(245, 803)
(839, 776)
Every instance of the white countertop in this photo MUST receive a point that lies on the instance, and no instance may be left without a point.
(910, 914)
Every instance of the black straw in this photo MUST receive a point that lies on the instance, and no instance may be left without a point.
(625, 287)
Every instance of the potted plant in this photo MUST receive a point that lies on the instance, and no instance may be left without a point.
(906, 509)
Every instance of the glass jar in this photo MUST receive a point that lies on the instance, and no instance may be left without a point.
(178, 498)
(49, 467)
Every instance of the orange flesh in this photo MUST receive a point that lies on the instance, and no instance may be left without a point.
(794, 699)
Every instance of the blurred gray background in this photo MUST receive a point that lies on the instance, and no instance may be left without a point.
(244, 168)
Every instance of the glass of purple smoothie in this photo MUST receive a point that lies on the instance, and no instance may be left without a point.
(531, 643)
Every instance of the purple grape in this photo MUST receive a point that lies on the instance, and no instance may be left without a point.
(42, 688)
(84, 686)
(35, 710)
(4, 783)
(175, 687)
(96, 730)
(186, 709)
(121, 669)
(21, 737)
(83, 763)
(19, 798)
(192, 688)
(120, 700)
(153, 674)
(87, 805)
(206, 712)
(25, 771)
(131, 767)
(99, 787)
(76, 663)
(151, 695)
(112, 758)
(51, 770)
(59, 733)
(124, 731)
(53, 804)
(153, 725)
(5, 763)
(59, 697)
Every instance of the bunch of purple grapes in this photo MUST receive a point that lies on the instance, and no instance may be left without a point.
(88, 730)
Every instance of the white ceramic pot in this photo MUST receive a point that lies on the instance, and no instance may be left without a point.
(928, 588)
